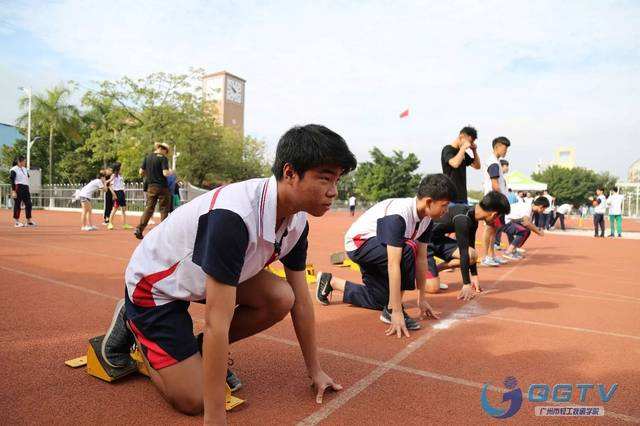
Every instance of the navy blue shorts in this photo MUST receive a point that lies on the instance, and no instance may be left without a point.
(442, 247)
(372, 259)
(165, 332)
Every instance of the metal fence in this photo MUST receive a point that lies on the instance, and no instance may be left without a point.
(631, 192)
(61, 196)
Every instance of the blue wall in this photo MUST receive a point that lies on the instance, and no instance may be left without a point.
(9, 134)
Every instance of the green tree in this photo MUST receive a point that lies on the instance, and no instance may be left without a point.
(387, 176)
(574, 185)
(53, 116)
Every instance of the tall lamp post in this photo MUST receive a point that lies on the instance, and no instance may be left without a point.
(27, 90)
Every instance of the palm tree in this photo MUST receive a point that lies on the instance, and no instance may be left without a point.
(51, 111)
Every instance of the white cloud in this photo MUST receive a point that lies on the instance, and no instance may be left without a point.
(543, 73)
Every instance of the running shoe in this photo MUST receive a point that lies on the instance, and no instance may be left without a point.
(490, 261)
(409, 322)
(117, 342)
(323, 287)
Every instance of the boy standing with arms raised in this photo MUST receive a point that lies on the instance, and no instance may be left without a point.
(455, 161)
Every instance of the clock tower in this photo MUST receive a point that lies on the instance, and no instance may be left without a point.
(225, 92)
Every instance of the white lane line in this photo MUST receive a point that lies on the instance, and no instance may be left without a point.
(353, 357)
(583, 296)
(562, 327)
(464, 312)
(87, 252)
(60, 283)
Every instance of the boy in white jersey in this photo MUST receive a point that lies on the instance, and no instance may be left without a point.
(614, 202)
(389, 242)
(494, 181)
(215, 248)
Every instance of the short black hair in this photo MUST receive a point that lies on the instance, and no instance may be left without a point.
(501, 140)
(469, 131)
(615, 189)
(541, 201)
(18, 159)
(504, 162)
(116, 166)
(306, 147)
(438, 187)
(495, 201)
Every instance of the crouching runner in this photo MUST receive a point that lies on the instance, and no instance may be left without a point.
(215, 248)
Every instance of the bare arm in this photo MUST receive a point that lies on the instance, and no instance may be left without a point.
(167, 172)
(421, 271)
(303, 319)
(304, 323)
(221, 302)
(141, 172)
(476, 159)
(495, 184)
(526, 222)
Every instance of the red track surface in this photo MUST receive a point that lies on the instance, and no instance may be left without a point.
(569, 313)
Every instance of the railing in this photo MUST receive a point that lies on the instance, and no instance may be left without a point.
(61, 196)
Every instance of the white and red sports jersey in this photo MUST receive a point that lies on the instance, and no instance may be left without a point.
(228, 233)
(393, 221)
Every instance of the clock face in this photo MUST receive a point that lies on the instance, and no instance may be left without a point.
(213, 89)
(234, 90)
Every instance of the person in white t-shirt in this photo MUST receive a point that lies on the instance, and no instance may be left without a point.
(520, 226)
(614, 202)
(352, 205)
(389, 243)
(120, 201)
(84, 195)
(561, 211)
(19, 177)
(599, 204)
(494, 181)
(215, 249)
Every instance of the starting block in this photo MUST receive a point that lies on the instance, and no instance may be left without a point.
(310, 272)
(97, 367)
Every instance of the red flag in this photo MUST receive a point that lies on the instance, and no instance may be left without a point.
(404, 113)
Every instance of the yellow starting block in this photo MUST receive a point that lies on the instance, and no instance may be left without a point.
(310, 272)
(97, 367)
(341, 260)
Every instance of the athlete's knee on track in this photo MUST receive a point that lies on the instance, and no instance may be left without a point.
(433, 285)
(191, 405)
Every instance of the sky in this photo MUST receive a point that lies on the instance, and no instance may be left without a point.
(546, 74)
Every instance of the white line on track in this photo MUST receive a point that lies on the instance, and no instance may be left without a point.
(464, 313)
(348, 394)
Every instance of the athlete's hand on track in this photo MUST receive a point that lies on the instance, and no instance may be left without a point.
(426, 311)
(397, 327)
(467, 292)
(322, 382)
(475, 283)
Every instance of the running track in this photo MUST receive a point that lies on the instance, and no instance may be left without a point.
(569, 313)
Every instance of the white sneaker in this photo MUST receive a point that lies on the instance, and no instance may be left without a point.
(443, 286)
(85, 228)
(490, 261)
(92, 228)
(31, 224)
(18, 225)
(500, 261)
